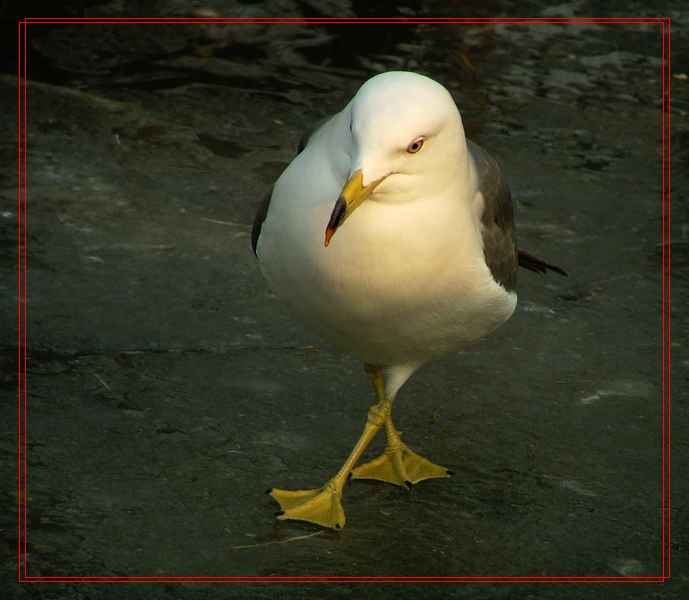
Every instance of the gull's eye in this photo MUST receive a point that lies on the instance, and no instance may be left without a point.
(415, 146)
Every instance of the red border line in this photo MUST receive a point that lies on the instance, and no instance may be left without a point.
(349, 579)
(667, 164)
(344, 21)
(340, 20)
(21, 219)
(22, 575)
(662, 296)
(19, 287)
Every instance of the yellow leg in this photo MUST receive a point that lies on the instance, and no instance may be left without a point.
(322, 506)
(398, 464)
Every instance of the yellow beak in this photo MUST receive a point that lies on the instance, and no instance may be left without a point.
(351, 197)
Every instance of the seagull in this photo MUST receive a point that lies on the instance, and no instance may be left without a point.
(391, 236)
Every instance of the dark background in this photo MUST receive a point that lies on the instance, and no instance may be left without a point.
(168, 388)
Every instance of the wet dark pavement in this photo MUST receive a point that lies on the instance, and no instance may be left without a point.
(167, 388)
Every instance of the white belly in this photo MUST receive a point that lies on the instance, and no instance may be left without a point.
(392, 287)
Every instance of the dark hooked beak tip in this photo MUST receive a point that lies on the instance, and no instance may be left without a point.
(336, 218)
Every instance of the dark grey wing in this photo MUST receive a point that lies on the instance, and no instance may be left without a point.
(259, 218)
(265, 202)
(538, 265)
(499, 240)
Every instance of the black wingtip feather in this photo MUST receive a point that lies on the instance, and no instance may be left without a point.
(537, 265)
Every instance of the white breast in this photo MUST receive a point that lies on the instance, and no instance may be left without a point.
(393, 287)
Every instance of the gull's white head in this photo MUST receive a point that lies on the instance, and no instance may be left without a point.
(406, 138)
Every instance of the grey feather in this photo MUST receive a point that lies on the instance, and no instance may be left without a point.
(497, 221)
